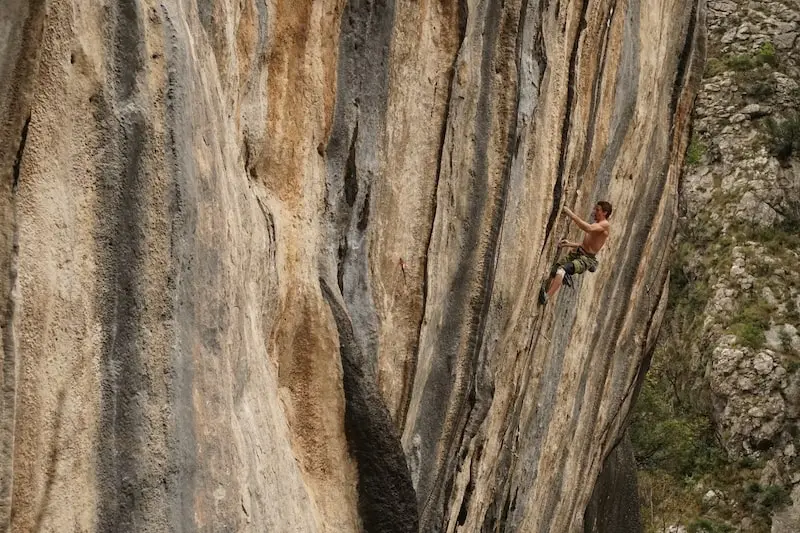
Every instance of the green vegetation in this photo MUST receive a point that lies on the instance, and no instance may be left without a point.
(675, 440)
(704, 525)
(774, 497)
(750, 335)
(742, 62)
(714, 67)
(750, 323)
(781, 237)
(766, 54)
(759, 89)
(667, 437)
(763, 500)
(695, 151)
(783, 136)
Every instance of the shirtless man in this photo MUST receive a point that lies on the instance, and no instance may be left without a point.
(582, 258)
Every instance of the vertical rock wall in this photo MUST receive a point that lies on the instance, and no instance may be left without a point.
(614, 507)
(272, 266)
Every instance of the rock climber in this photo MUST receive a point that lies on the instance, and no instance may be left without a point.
(583, 255)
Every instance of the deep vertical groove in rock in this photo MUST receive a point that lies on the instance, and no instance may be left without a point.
(565, 128)
(406, 398)
(685, 56)
(386, 497)
(122, 415)
(121, 202)
(356, 139)
(466, 326)
(20, 152)
(351, 172)
(387, 502)
(595, 96)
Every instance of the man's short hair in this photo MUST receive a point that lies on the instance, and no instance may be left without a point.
(606, 207)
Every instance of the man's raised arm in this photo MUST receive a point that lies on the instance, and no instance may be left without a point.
(585, 226)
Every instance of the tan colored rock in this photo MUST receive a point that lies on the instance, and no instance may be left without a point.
(272, 266)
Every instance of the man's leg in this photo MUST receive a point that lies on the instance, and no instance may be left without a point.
(555, 283)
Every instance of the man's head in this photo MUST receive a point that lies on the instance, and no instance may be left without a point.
(602, 211)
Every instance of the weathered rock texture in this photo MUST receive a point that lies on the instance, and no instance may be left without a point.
(614, 507)
(738, 244)
(259, 256)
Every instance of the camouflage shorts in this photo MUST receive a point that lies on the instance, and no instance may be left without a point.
(577, 261)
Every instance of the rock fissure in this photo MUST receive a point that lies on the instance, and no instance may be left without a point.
(448, 105)
(468, 383)
(386, 498)
(595, 96)
(20, 152)
(683, 61)
(566, 125)
(122, 415)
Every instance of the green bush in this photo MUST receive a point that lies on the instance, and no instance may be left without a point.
(775, 496)
(766, 54)
(760, 90)
(765, 500)
(750, 323)
(704, 525)
(740, 63)
(714, 67)
(695, 151)
(784, 136)
(778, 238)
(671, 438)
(749, 335)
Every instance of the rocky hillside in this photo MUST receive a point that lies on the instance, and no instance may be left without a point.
(727, 374)
(272, 266)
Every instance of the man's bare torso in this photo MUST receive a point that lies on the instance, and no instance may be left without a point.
(594, 241)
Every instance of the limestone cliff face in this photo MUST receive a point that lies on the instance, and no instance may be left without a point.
(272, 266)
